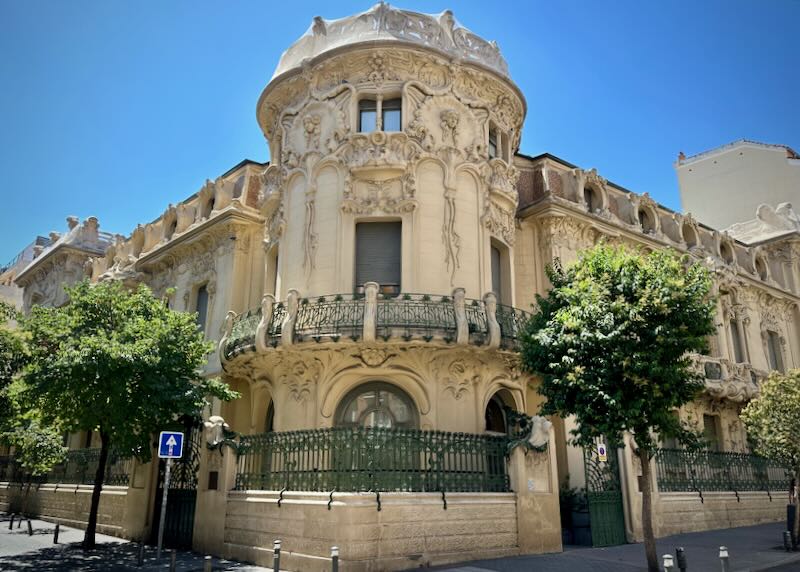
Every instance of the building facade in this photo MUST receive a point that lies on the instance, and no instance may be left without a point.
(367, 288)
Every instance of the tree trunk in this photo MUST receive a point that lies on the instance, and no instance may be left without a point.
(91, 526)
(647, 513)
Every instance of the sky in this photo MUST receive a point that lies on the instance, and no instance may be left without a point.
(116, 109)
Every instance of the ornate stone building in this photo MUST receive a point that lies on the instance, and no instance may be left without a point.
(365, 289)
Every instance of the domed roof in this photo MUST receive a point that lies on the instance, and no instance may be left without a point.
(383, 22)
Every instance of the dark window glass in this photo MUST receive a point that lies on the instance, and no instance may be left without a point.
(201, 307)
(495, 417)
(774, 348)
(367, 115)
(711, 432)
(390, 115)
(492, 144)
(738, 352)
(497, 280)
(378, 254)
(588, 198)
(377, 405)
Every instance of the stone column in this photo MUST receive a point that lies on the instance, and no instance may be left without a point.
(533, 479)
(370, 310)
(211, 504)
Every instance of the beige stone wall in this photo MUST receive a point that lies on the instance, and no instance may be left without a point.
(683, 512)
(120, 513)
(410, 530)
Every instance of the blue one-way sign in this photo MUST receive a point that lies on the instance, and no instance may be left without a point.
(170, 445)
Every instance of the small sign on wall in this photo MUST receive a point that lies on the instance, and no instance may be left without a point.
(602, 453)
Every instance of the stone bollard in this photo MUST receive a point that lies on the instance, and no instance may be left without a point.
(207, 564)
(11, 524)
(30, 528)
(334, 558)
(723, 558)
(276, 556)
(140, 558)
(668, 564)
(680, 557)
(55, 534)
(173, 560)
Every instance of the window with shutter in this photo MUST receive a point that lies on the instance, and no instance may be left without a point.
(378, 255)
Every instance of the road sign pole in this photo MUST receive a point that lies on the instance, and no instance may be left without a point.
(163, 510)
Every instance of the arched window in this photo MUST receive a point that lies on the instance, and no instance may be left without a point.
(377, 404)
(495, 416)
(591, 199)
(726, 252)
(646, 221)
(269, 421)
(761, 268)
(689, 236)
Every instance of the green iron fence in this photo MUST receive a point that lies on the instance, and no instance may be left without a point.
(678, 470)
(416, 315)
(406, 316)
(373, 459)
(79, 467)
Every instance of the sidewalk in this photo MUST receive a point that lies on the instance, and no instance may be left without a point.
(19, 552)
(751, 549)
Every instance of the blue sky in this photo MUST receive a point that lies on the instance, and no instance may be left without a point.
(116, 109)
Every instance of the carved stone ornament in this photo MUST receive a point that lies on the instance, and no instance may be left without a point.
(387, 196)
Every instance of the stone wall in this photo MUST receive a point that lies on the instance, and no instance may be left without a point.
(122, 510)
(683, 512)
(410, 530)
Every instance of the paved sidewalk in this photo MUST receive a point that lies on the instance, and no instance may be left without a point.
(751, 549)
(37, 553)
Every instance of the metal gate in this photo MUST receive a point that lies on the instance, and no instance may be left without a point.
(179, 519)
(604, 494)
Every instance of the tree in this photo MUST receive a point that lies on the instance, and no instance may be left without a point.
(772, 420)
(118, 362)
(611, 341)
(13, 355)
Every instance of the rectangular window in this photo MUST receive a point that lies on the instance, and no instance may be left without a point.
(492, 144)
(201, 307)
(390, 115)
(497, 277)
(378, 255)
(738, 352)
(367, 115)
(711, 432)
(774, 348)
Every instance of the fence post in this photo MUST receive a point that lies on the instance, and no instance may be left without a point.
(30, 528)
(207, 564)
(668, 564)
(55, 534)
(11, 523)
(723, 558)
(140, 559)
(334, 559)
(680, 556)
(787, 540)
(276, 556)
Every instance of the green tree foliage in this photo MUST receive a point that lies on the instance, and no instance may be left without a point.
(611, 342)
(36, 448)
(773, 425)
(116, 361)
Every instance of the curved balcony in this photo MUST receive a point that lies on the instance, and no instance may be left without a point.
(725, 379)
(374, 317)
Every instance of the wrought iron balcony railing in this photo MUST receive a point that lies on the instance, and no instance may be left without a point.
(679, 470)
(371, 459)
(78, 468)
(373, 316)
